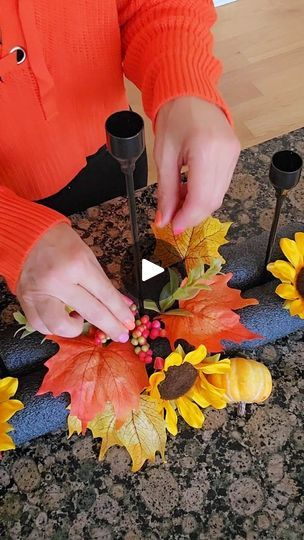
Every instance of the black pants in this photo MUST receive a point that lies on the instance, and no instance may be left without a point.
(99, 181)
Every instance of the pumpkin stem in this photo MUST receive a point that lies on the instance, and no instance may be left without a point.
(241, 410)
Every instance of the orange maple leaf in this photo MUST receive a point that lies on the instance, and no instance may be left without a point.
(93, 375)
(213, 318)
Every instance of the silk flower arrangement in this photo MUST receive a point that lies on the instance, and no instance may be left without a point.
(111, 393)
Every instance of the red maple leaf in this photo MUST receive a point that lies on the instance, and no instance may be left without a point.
(93, 375)
(213, 318)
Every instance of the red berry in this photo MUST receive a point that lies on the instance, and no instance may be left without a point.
(148, 359)
(154, 333)
(136, 334)
(148, 325)
(142, 340)
(159, 363)
(155, 324)
(162, 333)
(150, 352)
(144, 319)
(145, 333)
(141, 328)
(142, 355)
(100, 334)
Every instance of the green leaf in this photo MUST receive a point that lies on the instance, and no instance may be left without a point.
(26, 333)
(86, 327)
(181, 312)
(166, 303)
(151, 305)
(213, 269)
(186, 293)
(20, 318)
(196, 273)
(170, 287)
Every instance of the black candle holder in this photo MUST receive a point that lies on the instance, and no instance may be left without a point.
(126, 143)
(284, 174)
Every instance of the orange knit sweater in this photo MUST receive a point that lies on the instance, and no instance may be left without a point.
(54, 104)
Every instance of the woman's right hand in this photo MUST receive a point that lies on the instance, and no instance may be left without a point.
(61, 271)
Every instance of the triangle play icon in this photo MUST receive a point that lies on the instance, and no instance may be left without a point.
(150, 270)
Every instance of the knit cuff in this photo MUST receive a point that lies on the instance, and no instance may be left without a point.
(177, 74)
(22, 223)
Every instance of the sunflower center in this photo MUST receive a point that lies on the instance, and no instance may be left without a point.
(300, 282)
(179, 379)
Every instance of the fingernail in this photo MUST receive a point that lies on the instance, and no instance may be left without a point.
(128, 300)
(178, 231)
(130, 324)
(158, 218)
(123, 338)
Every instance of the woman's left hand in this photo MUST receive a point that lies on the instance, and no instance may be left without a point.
(193, 132)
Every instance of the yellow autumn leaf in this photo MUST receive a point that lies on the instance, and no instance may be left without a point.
(195, 246)
(103, 425)
(143, 434)
(74, 425)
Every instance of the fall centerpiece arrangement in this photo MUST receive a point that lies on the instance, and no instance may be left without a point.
(174, 365)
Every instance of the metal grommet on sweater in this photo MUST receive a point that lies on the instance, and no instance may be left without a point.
(20, 54)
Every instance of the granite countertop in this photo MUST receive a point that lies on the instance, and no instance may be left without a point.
(238, 478)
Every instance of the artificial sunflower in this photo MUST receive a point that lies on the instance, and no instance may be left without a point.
(8, 407)
(291, 273)
(182, 385)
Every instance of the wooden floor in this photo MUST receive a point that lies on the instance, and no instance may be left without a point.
(261, 45)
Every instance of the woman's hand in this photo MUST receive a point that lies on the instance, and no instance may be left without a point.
(195, 133)
(61, 270)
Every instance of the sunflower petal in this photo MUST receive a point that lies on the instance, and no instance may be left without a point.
(8, 409)
(291, 251)
(297, 307)
(5, 427)
(171, 419)
(174, 359)
(8, 388)
(195, 357)
(288, 292)
(299, 238)
(282, 270)
(154, 381)
(223, 366)
(6, 442)
(197, 395)
(190, 412)
(215, 396)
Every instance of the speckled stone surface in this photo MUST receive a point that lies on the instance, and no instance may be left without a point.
(239, 478)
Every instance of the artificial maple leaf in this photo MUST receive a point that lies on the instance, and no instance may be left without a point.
(213, 318)
(143, 433)
(195, 246)
(93, 375)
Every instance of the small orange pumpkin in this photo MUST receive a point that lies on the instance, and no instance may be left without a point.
(248, 381)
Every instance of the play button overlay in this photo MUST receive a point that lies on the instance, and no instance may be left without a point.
(149, 270)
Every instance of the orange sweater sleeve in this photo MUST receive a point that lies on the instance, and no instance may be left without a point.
(167, 50)
(22, 223)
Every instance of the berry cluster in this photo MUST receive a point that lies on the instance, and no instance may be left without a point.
(146, 330)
